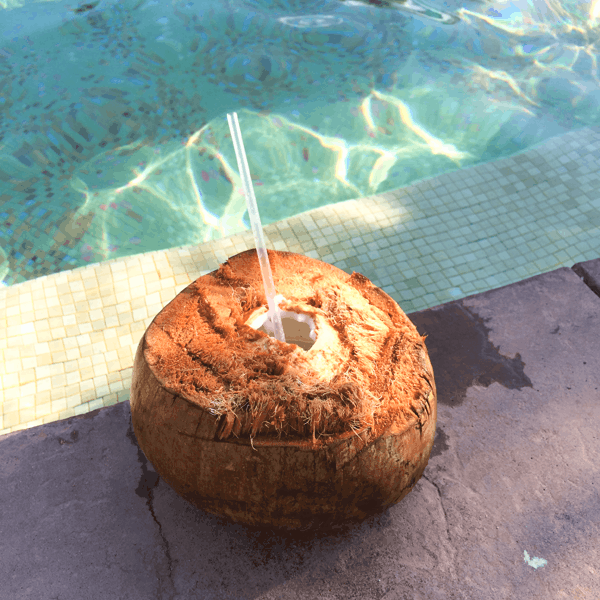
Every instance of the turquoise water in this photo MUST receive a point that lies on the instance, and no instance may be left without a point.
(113, 131)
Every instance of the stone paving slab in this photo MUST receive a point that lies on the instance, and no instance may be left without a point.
(508, 507)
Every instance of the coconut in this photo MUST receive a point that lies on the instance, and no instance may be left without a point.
(332, 426)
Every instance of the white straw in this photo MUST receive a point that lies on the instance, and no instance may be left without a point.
(261, 249)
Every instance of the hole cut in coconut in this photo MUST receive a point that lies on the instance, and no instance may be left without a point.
(298, 328)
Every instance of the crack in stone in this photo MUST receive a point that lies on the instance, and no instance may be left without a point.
(147, 482)
(435, 485)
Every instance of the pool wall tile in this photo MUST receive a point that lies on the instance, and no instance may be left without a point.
(67, 340)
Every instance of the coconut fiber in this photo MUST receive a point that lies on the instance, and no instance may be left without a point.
(368, 368)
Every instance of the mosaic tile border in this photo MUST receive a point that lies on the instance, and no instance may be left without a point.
(67, 340)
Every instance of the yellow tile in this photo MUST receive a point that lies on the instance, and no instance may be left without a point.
(108, 401)
(96, 336)
(44, 360)
(56, 322)
(59, 381)
(44, 336)
(112, 321)
(56, 346)
(86, 373)
(123, 307)
(10, 380)
(119, 277)
(167, 295)
(123, 330)
(27, 314)
(29, 362)
(59, 357)
(78, 299)
(43, 385)
(116, 387)
(136, 281)
(92, 294)
(27, 402)
(73, 377)
(137, 303)
(58, 405)
(100, 380)
(26, 376)
(117, 367)
(82, 307)
(42, 348)
(50, 418)
(71, 390)
(85, 328)
(58, 333)
(100, 370)
(12, 300)
(125, 318)
(71, 366)
(99, 326)
(109, 301)
(27, 389)
(27, 328)
(66, 414)
(83, 340)
(9, 353)
(107, 286)
(73, 401)
(27, 339)
(13, 341)
(74, 286)
(89, 395)
(126, 372)
(96, 315)
(140, 326)
(72, 355)
(55, 311)
(42, 397)
(114, 373)
(10, 404)
(10, 419)
(27, 414)
(153, 288)
(19, 427)
(122, 295)
(90, 283)
(86, 385)
(102, 390)
(71, 342)
(99, 348)
(109, 311)
(84, 363)
(72, 331)
(126, 341)
(13, 366)
(82, 317)
(110, 355)
(50, 290)
(13, 311)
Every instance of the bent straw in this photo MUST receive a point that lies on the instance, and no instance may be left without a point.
(261, 249)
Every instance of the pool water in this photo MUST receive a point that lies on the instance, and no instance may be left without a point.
(113, 131)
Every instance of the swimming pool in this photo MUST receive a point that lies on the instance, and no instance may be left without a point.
(113, 132)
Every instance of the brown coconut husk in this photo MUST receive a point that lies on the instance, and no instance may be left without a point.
(359, 375)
